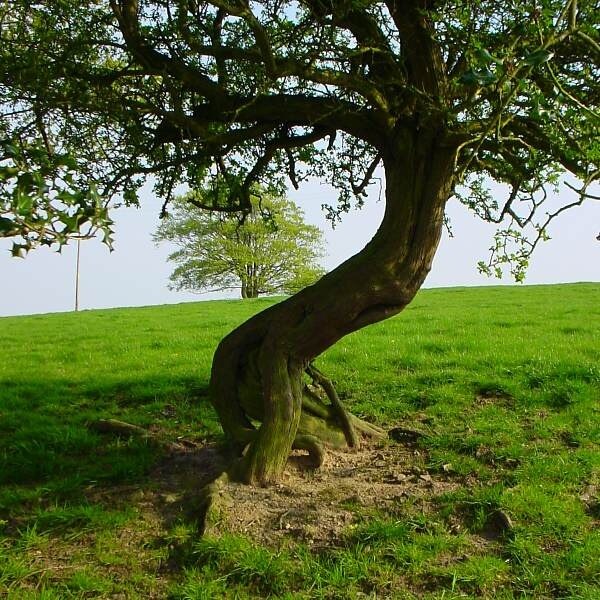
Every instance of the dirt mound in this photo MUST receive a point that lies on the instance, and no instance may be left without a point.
(318, 506)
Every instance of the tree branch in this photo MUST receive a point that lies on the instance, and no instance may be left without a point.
(301, 110)
(359, 189)
(426, 67)
(126, 12)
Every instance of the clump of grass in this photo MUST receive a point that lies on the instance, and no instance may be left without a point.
(240, 562)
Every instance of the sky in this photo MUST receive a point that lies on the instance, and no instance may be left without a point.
(137, 272)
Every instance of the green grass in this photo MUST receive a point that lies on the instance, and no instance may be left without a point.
(505, 382)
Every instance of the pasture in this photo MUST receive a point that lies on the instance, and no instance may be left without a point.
(496, 495)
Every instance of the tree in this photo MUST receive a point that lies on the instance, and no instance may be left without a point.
(41, 201)
(271, 250)
(445, 96)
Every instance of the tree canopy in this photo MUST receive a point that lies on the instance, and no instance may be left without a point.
(448, 97)
(272, 250)
(258, 90)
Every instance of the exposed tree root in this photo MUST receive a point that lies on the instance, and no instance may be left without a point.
(212, 502)
(270, 402)
(116, 427)
(342, 414)
(314, 447)
(332, 423)
(324, 421)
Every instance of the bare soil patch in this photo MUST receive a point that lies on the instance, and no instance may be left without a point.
(313, 506)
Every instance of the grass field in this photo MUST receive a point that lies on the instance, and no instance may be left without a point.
(503, 382)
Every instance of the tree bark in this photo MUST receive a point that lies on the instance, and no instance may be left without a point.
(258, 381)
(249, 288)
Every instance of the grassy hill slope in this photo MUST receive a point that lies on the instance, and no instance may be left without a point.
(504, 383)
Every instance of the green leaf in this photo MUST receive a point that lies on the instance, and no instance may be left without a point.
(10, 150)
(70, 223)
(130, 196)
(25, 181)
(469, 78)
(19, 250)
(8, 173)
(487, 77)
(24, 204)
(483, 56)
(481, 77)
(66, 196)
(67, 161)
(538, 57)
(6, 226)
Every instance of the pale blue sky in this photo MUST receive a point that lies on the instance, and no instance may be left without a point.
(136, 273)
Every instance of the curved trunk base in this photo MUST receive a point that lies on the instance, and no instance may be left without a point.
(316, 419)
(270, 403)
(322, 422)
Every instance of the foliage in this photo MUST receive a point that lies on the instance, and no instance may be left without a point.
(254, 91)
(513, 426)
(269, 250)
(41, 201)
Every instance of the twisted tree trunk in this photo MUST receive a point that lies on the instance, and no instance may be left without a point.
(259, 375)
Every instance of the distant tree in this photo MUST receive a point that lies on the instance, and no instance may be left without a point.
(441, 97)
(271, 250)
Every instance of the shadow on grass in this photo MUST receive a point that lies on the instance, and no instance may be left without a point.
(49, 455)
(180, 482)
(56, 395)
